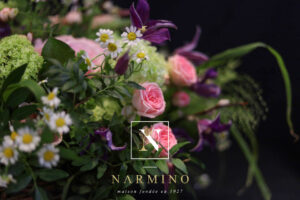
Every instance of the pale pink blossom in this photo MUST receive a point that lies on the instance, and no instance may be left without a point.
(164, 137)
(149, 102)
(181, 99)
(73, 17)
(182, 71)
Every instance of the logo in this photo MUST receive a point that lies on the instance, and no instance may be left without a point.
(145, 141)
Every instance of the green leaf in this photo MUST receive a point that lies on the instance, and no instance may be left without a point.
(101, 170)
(69, 154)
(14, 77)
(40, 194)
(89, 166)
(21, 183)
(178, 146)
(50, 175)
(235, 53)
(17, 97)
(252, 163)
(47, 136)
(162, 165)
(126, 197)
(58, 50)
(135, 85)
(179, 164)
(23, 112)
(34, 87)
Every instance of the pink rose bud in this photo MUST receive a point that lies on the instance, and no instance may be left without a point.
(73, 17)
(149, 102)
(165, 137)
(181, 99)
(182, 71)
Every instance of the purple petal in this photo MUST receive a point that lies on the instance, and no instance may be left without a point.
(203, 126)
(110, 143)
(206, 90)
(143, 10)
(209, 74)
(4, 30)
(216, 125)
(157, 36)
(157, 24)
(180, 132)
(196, 57)
(101, 131)
(122, 64)
(135, 17)
(191, 45)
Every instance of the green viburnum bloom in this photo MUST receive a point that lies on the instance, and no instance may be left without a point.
(103, 108)
(15, 51)
(154, 66)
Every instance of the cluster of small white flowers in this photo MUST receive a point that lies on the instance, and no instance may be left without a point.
(113, 48)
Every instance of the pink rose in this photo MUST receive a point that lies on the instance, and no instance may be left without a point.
(165, 135)
(149, 102)
(181, 99)
(91, 47)
(182, 71)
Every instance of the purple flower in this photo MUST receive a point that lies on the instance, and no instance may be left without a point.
(206, 130)
(4, 30)
(187, 50)
(122, 64)
(107, 134)
(155, 31)
(204, 89)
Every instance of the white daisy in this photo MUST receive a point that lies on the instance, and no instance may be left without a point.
(27, 139)
(113, 49)
(47, 113)
(8, 152)
(132, 35)
(13, 133)
(48, 156)
(104, 35)
(6, 179)
(60, 122)
(88, 61)
(51, 99)
(140, 56)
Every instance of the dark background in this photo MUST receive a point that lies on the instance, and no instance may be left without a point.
(227, 24)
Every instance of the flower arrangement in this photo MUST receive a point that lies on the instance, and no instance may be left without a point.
(74, 77)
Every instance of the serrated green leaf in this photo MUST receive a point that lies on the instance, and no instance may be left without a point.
(21, 183)
(89, 166)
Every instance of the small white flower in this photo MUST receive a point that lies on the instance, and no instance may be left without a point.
(60, 122)
(13, 134)
(6, 179)
(51, 99)
(48, 156)
(140, 56)
(104, 35)
(113, 49)
(47, 113)
(8, 152)
(88, 61)
(132, 35)
(27, 139)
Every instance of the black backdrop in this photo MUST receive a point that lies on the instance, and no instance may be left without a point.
(227, 24)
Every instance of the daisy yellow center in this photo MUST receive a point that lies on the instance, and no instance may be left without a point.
(27, 138)
(60, 122)
(8, 152)
(140, 55)
(104, 37)
(13, 135)
(51, 96)
(131, 36)
(48, 156)
(112, 47)
(47, 116)
(88, 62)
